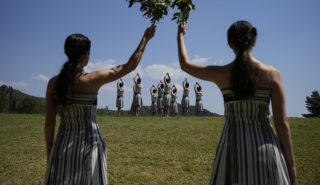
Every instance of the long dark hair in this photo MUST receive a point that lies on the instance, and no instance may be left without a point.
(74, 47)
(244, 77)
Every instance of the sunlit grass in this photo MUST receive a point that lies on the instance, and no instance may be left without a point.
(145, 150)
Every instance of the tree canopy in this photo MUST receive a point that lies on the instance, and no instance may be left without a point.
(313, 105)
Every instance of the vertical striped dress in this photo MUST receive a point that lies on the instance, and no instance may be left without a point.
(249, 152)
(78, 155)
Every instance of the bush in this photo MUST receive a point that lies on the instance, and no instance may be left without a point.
(30, 106)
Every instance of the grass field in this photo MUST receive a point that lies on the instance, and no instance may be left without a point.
(145, 150)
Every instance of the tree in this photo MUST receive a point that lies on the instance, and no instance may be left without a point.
(29, 106)
(313, 105)
(154, 9)
(185, 6)
(14, 105)
(11, 100)
(4, 102)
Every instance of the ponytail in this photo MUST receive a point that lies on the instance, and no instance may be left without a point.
(75, 46)
(244, 76)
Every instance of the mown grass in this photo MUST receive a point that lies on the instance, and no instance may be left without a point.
(145, 150)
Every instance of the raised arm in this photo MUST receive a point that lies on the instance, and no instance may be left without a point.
(118, 84)
(281, 122)
(101, 77)
(134, 88)
(164, 78)
(184, 83)
(209, 73)
(151, 89)
(135, 78)
(169, 78)
(195, 87)
(200, 87)
(123, 83)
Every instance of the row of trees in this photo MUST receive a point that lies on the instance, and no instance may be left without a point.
(27, 104)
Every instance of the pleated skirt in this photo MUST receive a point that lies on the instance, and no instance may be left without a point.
(160, 102)
(199, 105)
(166, 99)
(78, 155)
(185, 102)
(119, 102)
(154, 106)
(174, 107)
(248, 152)
(137, 100)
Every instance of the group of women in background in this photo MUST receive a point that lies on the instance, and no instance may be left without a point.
(163, 97)
(249, 151)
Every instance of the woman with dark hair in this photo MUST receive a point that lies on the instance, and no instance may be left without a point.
(154, 97)
(185, 98)
(120, 91)
(174, 105)
(78, 155)
(137, 99)
(167, 94)
(249, 151)
(199, 104)
(160, 97)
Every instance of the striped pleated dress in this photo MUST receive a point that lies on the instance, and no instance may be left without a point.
(249, 152)
(78, 155)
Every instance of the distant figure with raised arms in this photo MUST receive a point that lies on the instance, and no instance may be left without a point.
(173, 104)
(137, 100)
(160, 98)
(249, 152)
(78, 155)
(167, 94)
(185, 98)
(199, 104)
(154, 98)
(120, 91)
(133, 110)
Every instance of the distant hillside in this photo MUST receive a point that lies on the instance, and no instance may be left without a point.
(19, 95)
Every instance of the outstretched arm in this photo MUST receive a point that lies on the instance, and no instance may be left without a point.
(101, 77)
(209, 73)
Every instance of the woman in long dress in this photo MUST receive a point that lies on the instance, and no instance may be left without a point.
(160, 98)
(78, 155)
(173, 104)
(185, 98)
(167, 94)
(120, 91)
(199, 104)
(137, 99)
(154, 97)
(249, 152)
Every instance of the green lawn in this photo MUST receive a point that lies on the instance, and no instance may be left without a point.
(145, 150)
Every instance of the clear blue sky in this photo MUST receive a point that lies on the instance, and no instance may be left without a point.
(33, 34)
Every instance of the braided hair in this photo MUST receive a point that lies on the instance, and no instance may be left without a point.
(75, 46)
(244, 76)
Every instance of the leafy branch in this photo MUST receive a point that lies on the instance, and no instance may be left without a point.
(154, 9)
(185, 6)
